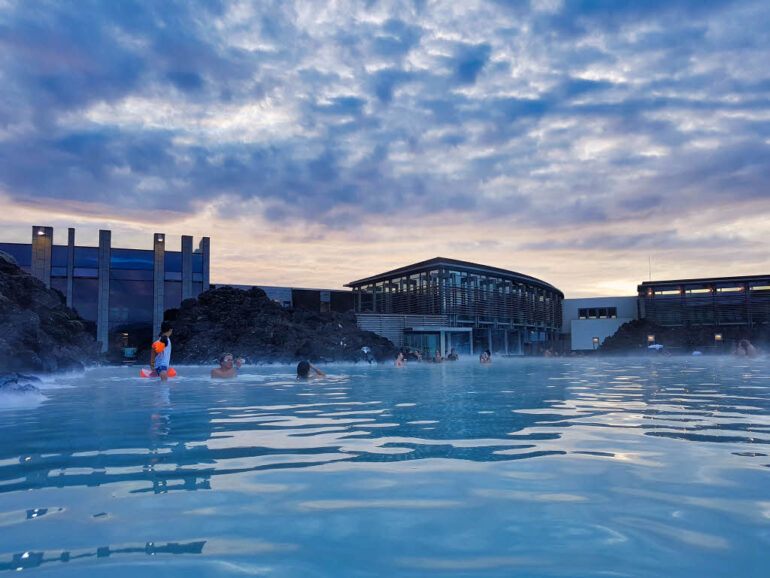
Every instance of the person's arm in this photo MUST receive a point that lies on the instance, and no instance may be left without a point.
(318, 372)
(152, 358)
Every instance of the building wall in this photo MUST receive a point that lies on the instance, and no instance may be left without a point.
(310, 299)
(111, 287)
(718, 301)
(583, 331)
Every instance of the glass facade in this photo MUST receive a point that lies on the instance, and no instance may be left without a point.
(22, 252)
(469, 294)
(507, 311)
(130, 303)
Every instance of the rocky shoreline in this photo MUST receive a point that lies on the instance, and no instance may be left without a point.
(38, 332)
(250, 325)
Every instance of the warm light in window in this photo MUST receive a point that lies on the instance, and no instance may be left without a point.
(651, 338)
(717, 337)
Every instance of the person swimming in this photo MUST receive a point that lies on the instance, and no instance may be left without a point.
(228, 366)
(303, 370)
(400, 360)
(745, 349)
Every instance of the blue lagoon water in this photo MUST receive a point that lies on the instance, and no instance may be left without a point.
(527, 467)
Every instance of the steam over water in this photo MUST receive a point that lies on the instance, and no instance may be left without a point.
(529, 467)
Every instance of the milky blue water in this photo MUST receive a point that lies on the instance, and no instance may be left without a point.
(528, 467)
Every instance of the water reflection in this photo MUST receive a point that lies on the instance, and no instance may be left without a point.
(179, 437)
(27, 560)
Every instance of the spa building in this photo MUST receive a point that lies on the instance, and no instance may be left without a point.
(115, 288)
(445, 303)
(718, 301)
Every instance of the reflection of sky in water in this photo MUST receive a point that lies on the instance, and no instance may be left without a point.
(529, 467)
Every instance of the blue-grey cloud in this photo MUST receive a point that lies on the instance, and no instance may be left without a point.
(585, 112)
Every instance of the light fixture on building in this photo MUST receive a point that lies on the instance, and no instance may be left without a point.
(717, 337)
(650, 339)
(40, 232)
(596, 342)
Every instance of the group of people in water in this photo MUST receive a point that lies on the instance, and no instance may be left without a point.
(160, 358)
(405, 355)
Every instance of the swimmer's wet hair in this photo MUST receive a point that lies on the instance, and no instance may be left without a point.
(303, 369)
(222, 357)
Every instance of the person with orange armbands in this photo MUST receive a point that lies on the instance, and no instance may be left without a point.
(160, 355)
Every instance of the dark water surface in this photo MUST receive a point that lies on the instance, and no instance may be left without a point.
(528, 467)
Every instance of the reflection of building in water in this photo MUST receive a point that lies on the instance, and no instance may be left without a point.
(25, 560)
(444, 303)
(116, 288)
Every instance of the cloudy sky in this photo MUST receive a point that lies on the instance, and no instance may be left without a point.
(316, 143)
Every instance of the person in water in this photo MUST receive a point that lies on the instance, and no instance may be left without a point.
(437, 357)
(303, 370)
(228, 366)
(160, 354)
(745, 349)
(400, 360)
(452, 355)
(485, 357)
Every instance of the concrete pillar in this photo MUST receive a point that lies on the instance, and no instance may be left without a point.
(442, 343)
(205, 249)
(187, 274)
(506, 341)
(158, 281)
(103, 303)
(70, 263)
(42, 243)
(489, 339)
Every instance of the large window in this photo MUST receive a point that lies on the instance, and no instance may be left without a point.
(135, 259)
(130, 302)
(85, 294)
(87, 257)
(598, 313)
(172, 294)
(21, 252)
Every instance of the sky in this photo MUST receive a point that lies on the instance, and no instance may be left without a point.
(593, 144)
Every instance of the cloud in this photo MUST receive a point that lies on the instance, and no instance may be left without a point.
(562, 116)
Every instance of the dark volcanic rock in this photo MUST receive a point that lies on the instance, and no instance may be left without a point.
(18, 383)
(250, 325)
(631, 337)
(37, 331)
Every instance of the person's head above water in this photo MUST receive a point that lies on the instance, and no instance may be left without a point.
(226, 358)
(303, 369)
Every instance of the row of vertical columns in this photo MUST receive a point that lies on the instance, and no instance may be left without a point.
(42, 249)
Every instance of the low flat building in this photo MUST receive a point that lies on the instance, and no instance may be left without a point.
(116, 288)
(588, 322)
(304, 298)
(445, 303)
